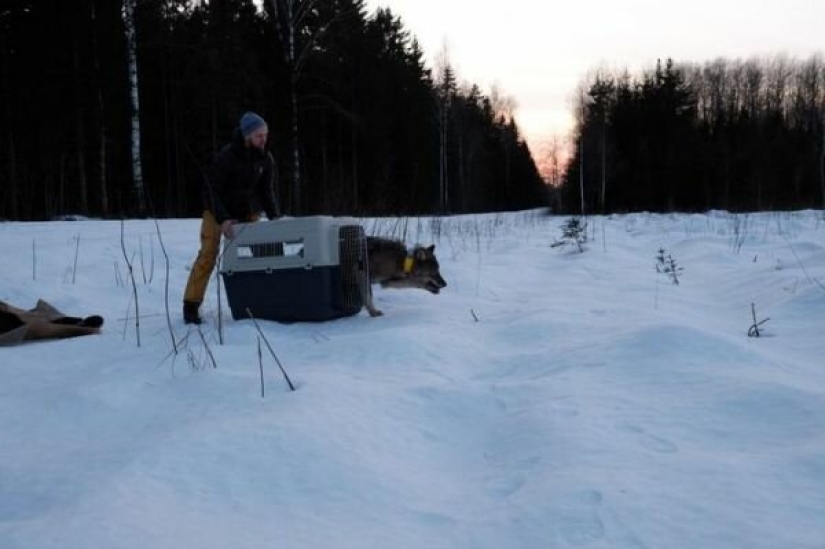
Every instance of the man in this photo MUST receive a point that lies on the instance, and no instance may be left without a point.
(237, 186)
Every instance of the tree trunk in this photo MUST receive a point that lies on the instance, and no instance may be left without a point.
(102, 190)
(82, 184)
(604, 169)
(581, 171)
(324, 163)
(296, 157)
(822, 158)
(356, 198)
(462, 190)
(443, 167)
(171, 196)
(286, 20)
(340, 202)
(131, 49)
(12, 198)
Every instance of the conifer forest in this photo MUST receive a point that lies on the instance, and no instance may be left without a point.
(113, 108)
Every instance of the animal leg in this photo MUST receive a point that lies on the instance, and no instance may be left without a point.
(366, 294)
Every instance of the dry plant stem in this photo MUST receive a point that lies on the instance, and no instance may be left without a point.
(76, 252)
(152, 260)
(755, 326)
(261, 366)
(802, 266)
(126, 319)
(118, 282)
(140, 256)
(218, 287)
(268, 346)
(316, 334)
(182, 344)
(208, 350)
(193, 364)
(166, 288)
(220, 309)
(753, 331)
(134, 284)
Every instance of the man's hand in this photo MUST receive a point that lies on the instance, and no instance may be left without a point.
(227, 229)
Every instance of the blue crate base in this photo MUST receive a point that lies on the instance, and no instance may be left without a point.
(289, 295)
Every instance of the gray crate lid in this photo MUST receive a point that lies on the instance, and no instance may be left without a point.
(285, 243)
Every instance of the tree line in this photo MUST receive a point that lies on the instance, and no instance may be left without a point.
(358, 123)
(727, 134)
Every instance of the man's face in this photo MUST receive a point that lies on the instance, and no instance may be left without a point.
(258, 138)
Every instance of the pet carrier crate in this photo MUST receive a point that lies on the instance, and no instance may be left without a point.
(297, 269)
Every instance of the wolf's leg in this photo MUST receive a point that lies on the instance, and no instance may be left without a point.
(366, 293)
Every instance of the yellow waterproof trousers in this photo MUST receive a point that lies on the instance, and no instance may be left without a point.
(207, 257)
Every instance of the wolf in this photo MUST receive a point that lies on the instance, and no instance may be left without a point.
(392, 265)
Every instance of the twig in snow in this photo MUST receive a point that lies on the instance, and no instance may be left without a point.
(268, 346)
(152, 258)
(76, 252)
(166, 286)
(134, 284)
(208, 350)
(140, 255)
(802, 266)
(753, 331)
(261, 366)
(118, 279)
(127, 317)
(220, 309)
(316, 335)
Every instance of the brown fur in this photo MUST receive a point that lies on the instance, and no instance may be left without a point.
(386, 267)
(42, 322)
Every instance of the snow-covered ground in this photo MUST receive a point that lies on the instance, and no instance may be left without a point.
(546, 398)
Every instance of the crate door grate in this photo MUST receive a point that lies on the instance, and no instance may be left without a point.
(352, 255)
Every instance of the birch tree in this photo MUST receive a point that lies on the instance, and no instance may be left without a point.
(288, 16)
(131, 51)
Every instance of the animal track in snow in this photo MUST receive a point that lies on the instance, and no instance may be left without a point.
(651, 442)
(580, 523)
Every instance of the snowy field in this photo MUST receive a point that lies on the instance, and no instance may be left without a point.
(545, 399)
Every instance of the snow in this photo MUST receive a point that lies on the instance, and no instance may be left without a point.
(546, 398)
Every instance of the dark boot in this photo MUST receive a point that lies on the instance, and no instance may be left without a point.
(94, 321)
(190, 313)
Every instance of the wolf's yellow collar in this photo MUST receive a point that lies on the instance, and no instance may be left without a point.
(408, 265)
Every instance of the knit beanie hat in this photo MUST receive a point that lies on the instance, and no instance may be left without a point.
(250, 122)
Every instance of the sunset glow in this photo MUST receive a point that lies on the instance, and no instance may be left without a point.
(539, 52)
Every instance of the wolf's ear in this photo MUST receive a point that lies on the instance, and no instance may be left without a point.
(431, 249)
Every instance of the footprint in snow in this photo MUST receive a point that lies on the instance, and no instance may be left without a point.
(651, 442)
(579, 523)
(502, 488)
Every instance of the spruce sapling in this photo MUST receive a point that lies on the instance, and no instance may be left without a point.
(666, 265)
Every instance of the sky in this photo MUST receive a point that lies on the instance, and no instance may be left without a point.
(540, 52)
(545, 398)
